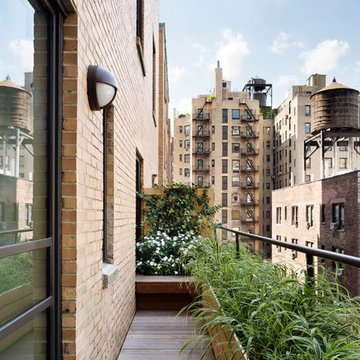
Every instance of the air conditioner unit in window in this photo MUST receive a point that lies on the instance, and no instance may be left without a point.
(334, 225)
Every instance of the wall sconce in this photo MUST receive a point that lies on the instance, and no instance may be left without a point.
(101, 87)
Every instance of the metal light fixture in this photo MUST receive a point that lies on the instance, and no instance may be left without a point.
(101, 86)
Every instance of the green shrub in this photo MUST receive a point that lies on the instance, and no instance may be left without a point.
(275, 314)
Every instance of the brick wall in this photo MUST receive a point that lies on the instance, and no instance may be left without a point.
(95, 320)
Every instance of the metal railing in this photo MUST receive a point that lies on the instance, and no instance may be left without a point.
(308, 251)
(16, 231)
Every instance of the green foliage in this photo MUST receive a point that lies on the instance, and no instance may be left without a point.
(275, 314)
(268, 112)
(179, 211)
(15, 271)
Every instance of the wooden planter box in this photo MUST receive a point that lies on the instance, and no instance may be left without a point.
(223, 347)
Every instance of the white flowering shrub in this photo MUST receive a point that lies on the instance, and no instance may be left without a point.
(160, 254)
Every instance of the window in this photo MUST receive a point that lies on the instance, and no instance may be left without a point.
(307, 128)
(323, 217)
(187, 145)
(308, 163)
(268, 144)
(249, 198)
(267, 172)
(180, 129)
(268, 186)
(267, 158)
(235, 198)
(180, 143)
(268, 200)
(187, 158)
(307, 178)
(309, 215)
(236, 165)
(187, 172)
(307, 110)
(328, 163)
(200, 147)
(249, 180)
(213, 129)
(235, 114)
(224, 216)
(235, 181)
(338, 215)
(224, 199)
(285, 213)
(200, 164)
(337, 266)
(213, 146)
(278, 247)
(180, 157)
(278, 215)
(235, 147)
(200, 181)
(343, 163)
(180, 171)
(294, 215)
(224, 149)
(224, 166)
(224, 183)
(267, 214)
(309, 244)
(235, 131)
(187, 130)
(213, 180)
(224, 116)
(294, 252)
(212, 162)
(235, 214)
(224, 132)
(200, 130)
(343, 148)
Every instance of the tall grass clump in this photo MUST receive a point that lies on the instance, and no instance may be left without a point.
(273, 312)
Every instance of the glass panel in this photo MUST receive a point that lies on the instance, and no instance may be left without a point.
(23, 283)
(23, 117)
(26, 343)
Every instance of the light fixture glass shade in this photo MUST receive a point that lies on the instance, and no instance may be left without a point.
(105, 94)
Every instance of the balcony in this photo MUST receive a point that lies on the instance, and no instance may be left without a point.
(250, 135)
(201, 134)
(245, 202)
(246, 185)
(205, 168)
(201, 151)
(247, 219)
(253, 151)
(201, 117)
(252, 168)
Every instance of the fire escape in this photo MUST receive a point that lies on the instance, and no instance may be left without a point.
(249, 170)
(201, 148)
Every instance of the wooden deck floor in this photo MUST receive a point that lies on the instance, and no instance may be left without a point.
(159, 335)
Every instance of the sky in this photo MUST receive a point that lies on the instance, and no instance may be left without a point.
(281, 41)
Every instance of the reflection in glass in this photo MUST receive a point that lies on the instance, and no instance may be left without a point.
(26, 343)
(23, 283)
(23, 118)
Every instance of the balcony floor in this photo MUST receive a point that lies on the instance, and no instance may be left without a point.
(159, 335)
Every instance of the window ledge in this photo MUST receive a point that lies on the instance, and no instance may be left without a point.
(109, 275)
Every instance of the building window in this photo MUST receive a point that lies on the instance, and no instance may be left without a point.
(267, 172)
(187, 130)
(323, 217)
(267, 158)
(337, 266)
(213, 146)
(267, 186)
(180, 143)
(307, 110)
(213, 129)
(224, 166)
(328, 163)
(278, 247)
(235, 131)
(294, 252)
(187, 172)
(236, 165)
(224, 149)
(224, 116)
(200, 147)
(235, 181)
(236, 148)
(268, 144)
(235, 214)
(180, 129)
(235, 198)
(187, 158)
(224, 216)
(267, 214)
(249, 114)
(338, 215)
(294, 215)
(180, 157)
(285, 213)
(224, 132)
(343, 163)
(309, 215)
(200, 164)
(224, 199)
(307, 128)
(187, 145)
(212, 162)
(180, 171)
(213, 180)
(200, 181)
(278, 215)
(308, 163)
(224, 183)
(309, 244)
(268, 200)
(307, 178)
(235, 114)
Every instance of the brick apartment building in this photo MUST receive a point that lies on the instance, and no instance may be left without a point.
(74, 229)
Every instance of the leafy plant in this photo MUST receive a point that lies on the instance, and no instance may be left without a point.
(272, 311)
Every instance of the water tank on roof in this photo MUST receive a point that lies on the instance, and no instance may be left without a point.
(261, 97)
(335, 106)
(14, 106)
(259, 84)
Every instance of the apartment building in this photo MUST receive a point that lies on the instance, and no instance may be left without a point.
(230, 141)
(182, 158)
(68, 193)
(321, 214)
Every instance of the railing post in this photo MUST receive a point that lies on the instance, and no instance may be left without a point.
(237, 240)
(310, 268)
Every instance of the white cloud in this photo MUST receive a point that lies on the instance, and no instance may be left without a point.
(287, 80)
(324, 56)
(24, 49)
(281, 43)
(231, 52)
(176, 73)
(200, 47)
